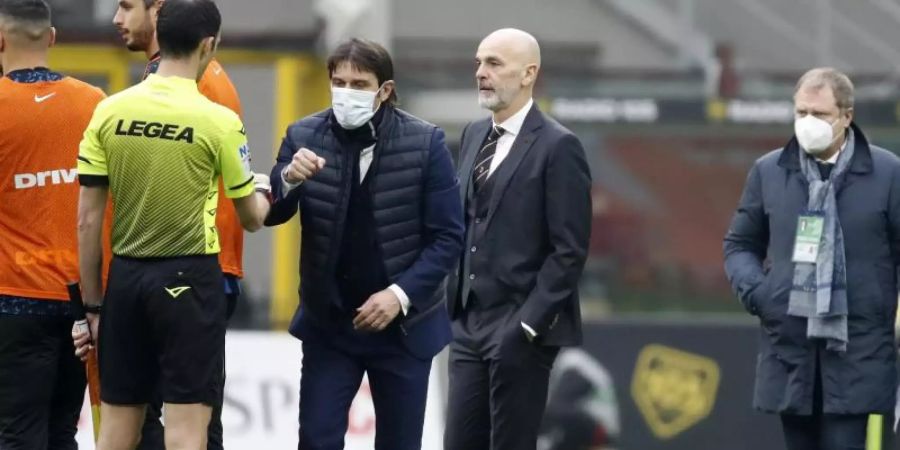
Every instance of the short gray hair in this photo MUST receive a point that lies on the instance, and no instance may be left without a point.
(840, 84)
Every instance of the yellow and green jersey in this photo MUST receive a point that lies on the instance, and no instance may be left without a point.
(161, 147)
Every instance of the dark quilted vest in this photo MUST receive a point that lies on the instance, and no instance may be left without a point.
(396, 185)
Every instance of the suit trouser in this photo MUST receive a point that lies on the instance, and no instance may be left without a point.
(498, 381)
(41, 383)
(333, 369)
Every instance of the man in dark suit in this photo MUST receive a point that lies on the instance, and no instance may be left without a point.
(382, 227)
(514, 299)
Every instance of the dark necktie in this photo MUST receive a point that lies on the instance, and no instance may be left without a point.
(825, 169)
(484, 157)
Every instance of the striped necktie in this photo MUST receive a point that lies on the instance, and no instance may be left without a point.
(484, 157)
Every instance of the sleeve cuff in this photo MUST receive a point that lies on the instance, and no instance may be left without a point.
(288, 187)
(93, 180)
(529, 330)
(404, 299)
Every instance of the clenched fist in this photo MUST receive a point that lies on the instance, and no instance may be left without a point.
(304, 165)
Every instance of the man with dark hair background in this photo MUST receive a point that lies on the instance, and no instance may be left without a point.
(382, 223)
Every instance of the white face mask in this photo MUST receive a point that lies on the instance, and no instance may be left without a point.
(814, 134)
(353, 108)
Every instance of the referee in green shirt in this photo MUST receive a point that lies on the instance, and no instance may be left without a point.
(159, 149)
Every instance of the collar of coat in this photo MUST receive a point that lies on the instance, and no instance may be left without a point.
(862, 155)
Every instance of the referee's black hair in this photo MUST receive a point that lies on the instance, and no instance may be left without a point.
(29, 11)
(183, 24)
(366, 56)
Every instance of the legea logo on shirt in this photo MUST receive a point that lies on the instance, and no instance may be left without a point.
(41, 179)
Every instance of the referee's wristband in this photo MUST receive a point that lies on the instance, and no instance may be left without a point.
(92, 309)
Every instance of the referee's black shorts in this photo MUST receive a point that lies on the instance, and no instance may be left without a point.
(162, 327)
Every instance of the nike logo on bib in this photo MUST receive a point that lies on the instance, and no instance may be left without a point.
(176, 291)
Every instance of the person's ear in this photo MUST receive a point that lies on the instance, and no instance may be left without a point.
(387, 90)
(530, 77)
(207, 47)
(154, 11)
(848, 116)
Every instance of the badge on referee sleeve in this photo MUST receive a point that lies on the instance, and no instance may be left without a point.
(244, 153)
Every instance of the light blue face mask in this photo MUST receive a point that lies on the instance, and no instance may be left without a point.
(353, 108)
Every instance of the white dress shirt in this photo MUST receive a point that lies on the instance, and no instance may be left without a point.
(511, 129)
(365, 161)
